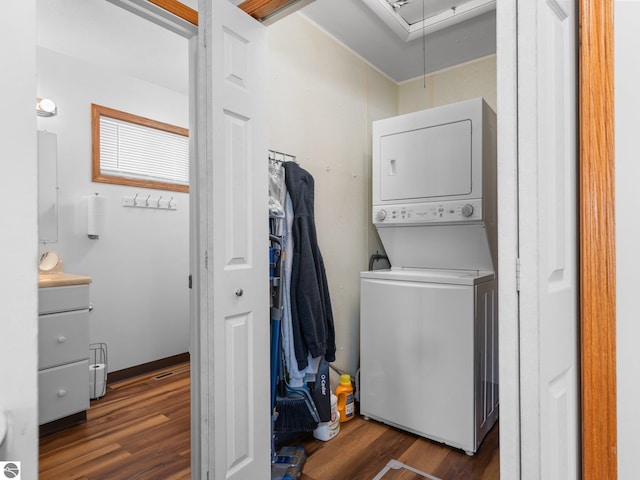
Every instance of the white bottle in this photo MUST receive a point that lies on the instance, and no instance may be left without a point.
(328, 430)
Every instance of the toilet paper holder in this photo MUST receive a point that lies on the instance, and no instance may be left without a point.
(98, 368)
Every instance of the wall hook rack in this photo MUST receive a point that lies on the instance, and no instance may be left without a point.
(156, 203)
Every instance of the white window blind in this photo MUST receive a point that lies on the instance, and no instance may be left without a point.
(129, 150)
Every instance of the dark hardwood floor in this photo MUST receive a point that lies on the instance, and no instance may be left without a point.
(363, 448)
(140, 430)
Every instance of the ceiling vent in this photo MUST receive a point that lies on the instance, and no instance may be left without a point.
(411, 19)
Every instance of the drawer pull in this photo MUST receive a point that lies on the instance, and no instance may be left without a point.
(62, 339)
(62, 392)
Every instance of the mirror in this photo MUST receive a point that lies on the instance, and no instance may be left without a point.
(47, 187)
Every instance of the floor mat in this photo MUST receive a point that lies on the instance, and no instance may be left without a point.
(396, 465)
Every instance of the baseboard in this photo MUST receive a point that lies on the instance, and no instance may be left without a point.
(63, 423)
(144, 368)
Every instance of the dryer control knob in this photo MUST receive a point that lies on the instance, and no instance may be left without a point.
(381, 215)
(467, 210)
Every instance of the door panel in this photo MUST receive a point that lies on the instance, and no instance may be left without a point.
(558, 242)
(237, 222)
(237, 393)
(234, 322)
(548, 241)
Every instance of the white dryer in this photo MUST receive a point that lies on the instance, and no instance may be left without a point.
(428, 326)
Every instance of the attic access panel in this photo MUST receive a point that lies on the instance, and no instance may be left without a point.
(405, 17)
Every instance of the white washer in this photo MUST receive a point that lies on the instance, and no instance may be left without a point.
(429, 353)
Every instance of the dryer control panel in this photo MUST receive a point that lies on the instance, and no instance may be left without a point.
(428, 213)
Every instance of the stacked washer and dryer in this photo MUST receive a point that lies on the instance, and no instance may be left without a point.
(428, 325)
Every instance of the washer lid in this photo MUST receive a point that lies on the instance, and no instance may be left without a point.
(451, 277)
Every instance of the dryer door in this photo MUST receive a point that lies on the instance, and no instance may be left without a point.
(427, 162)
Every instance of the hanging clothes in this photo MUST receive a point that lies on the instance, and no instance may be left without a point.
(297, 377)
(311, 314)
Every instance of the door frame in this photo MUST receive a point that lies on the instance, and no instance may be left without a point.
(596, 231)
(508, 298)
(258, 9)
(597, 240)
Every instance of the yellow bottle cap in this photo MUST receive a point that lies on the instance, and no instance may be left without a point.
(345, 379)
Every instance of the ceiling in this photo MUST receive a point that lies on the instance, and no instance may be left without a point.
(62, 22)
(361, 30)
(355, 25)
(103, 34)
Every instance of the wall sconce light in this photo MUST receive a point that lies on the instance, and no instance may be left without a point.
(46, 107)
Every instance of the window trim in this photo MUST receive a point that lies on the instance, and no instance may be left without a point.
(97, 176)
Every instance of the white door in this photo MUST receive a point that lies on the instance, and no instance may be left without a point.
(18, 308)
(231, 271)
(549, 365)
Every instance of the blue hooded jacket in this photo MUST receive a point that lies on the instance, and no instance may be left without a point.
(312, 318)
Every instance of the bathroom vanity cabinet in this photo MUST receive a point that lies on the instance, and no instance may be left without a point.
(63, 351)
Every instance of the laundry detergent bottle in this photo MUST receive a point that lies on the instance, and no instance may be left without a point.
(344, 392)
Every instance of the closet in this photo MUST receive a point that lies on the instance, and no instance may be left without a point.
(303, 333)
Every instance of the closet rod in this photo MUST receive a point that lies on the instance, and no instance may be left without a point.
(281, 157)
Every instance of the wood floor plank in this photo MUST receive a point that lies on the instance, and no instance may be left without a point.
(360, 450)
(92, 470)
(161, 440)
(424, 455)
(144, 468)
(184, 474)
(459, 466)
(73, 460)
(50, 459)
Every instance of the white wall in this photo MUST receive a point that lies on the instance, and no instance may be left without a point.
(470, 80)
(139, 266)
(627, 106)
(18, 255)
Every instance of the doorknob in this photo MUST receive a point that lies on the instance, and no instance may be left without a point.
(239, 292)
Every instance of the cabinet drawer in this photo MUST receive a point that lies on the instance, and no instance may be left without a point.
(62, 299)
(63, 391)
(63, 338)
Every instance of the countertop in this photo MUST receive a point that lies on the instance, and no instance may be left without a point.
(61, 279)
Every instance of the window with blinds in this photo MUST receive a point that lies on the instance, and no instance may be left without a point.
(137, 151)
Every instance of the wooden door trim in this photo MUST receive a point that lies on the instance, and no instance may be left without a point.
(597, 241)
(179, 9)
(263, 8)
(258, 9)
